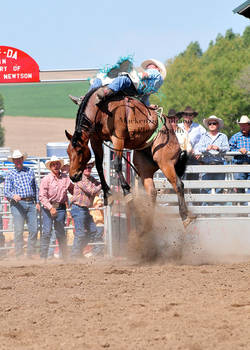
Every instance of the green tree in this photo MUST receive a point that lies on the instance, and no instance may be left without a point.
(246, 37)
(209, 81)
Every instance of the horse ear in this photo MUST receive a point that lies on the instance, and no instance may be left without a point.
(69, 137)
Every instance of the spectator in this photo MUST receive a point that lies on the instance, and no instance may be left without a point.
(53, 197)
(2, 240)
(22, 192)
(2, 237)
(213, 144)
(98, 217)
(241, 142)
(85, 191)
(195, 131)
(181, 134)
(65, 167)
(142, 84)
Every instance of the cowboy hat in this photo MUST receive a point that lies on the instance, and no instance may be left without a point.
(158, 64)
(172, 113)
(17, 154)
(213, 117)
(244, 120)
(54, 159)
(189, 110)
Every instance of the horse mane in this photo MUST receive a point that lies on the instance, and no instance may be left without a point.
(82, 121)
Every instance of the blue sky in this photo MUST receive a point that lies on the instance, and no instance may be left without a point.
(90, 34)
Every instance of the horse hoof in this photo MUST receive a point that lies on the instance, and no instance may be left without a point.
(187, 221)
(128, 198)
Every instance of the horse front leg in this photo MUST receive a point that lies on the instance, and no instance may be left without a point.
(98, 151)
(124, 185)
(107, 194)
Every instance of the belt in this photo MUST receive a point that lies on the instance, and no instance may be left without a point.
(28, 199)
(58, 205)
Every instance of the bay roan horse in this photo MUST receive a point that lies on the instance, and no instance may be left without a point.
(128, 123)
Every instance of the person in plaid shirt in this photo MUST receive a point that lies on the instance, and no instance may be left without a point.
(241, 142)
(22, 192)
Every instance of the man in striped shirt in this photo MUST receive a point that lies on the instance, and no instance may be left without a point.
(22, 192)
(53, 197)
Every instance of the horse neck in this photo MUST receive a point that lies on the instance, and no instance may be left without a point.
(91, 108)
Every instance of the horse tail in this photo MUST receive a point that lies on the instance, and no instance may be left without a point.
(181, 163)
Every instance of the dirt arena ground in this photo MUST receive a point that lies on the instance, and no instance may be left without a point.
(115, 304)
(118, 303)
(32, 134)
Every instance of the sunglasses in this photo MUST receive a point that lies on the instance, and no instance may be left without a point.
(88, 167)
(188, 114)
(213, 123)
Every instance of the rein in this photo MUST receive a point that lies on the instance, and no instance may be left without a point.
(132, 165)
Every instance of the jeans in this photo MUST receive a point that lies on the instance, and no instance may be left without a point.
(85, 229)
(24, 211)
(59, 223)
(242, 176)
(2, 238)
(213, 176)
(121, 83)
(52, 242)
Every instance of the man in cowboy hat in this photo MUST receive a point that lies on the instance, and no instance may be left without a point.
(53, 197)
(142, 84)
(85, 191)
(213, 144)
(22, 192)
(181, 134)
(194, 131)
(241, 142)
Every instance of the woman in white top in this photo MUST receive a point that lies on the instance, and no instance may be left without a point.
(194, 130)
(181, 134)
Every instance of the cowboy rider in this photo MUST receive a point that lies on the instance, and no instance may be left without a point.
(141, 84)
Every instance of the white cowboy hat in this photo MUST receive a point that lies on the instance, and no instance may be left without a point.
(66, 162)
(159, 64)
(17, 154)
(54, 159)
(213, 117)
(244, 120)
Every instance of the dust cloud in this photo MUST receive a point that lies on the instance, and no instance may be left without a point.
(205, 241)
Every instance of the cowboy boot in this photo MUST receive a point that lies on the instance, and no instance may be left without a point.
(103, 93)
(76, 100)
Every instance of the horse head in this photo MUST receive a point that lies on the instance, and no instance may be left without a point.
(79, 154)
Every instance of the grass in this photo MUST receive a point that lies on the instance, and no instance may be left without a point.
(42, 100)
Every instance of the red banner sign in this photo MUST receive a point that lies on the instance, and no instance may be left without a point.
(17, 66)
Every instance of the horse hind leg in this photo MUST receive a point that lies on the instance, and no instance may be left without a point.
(178, 186)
